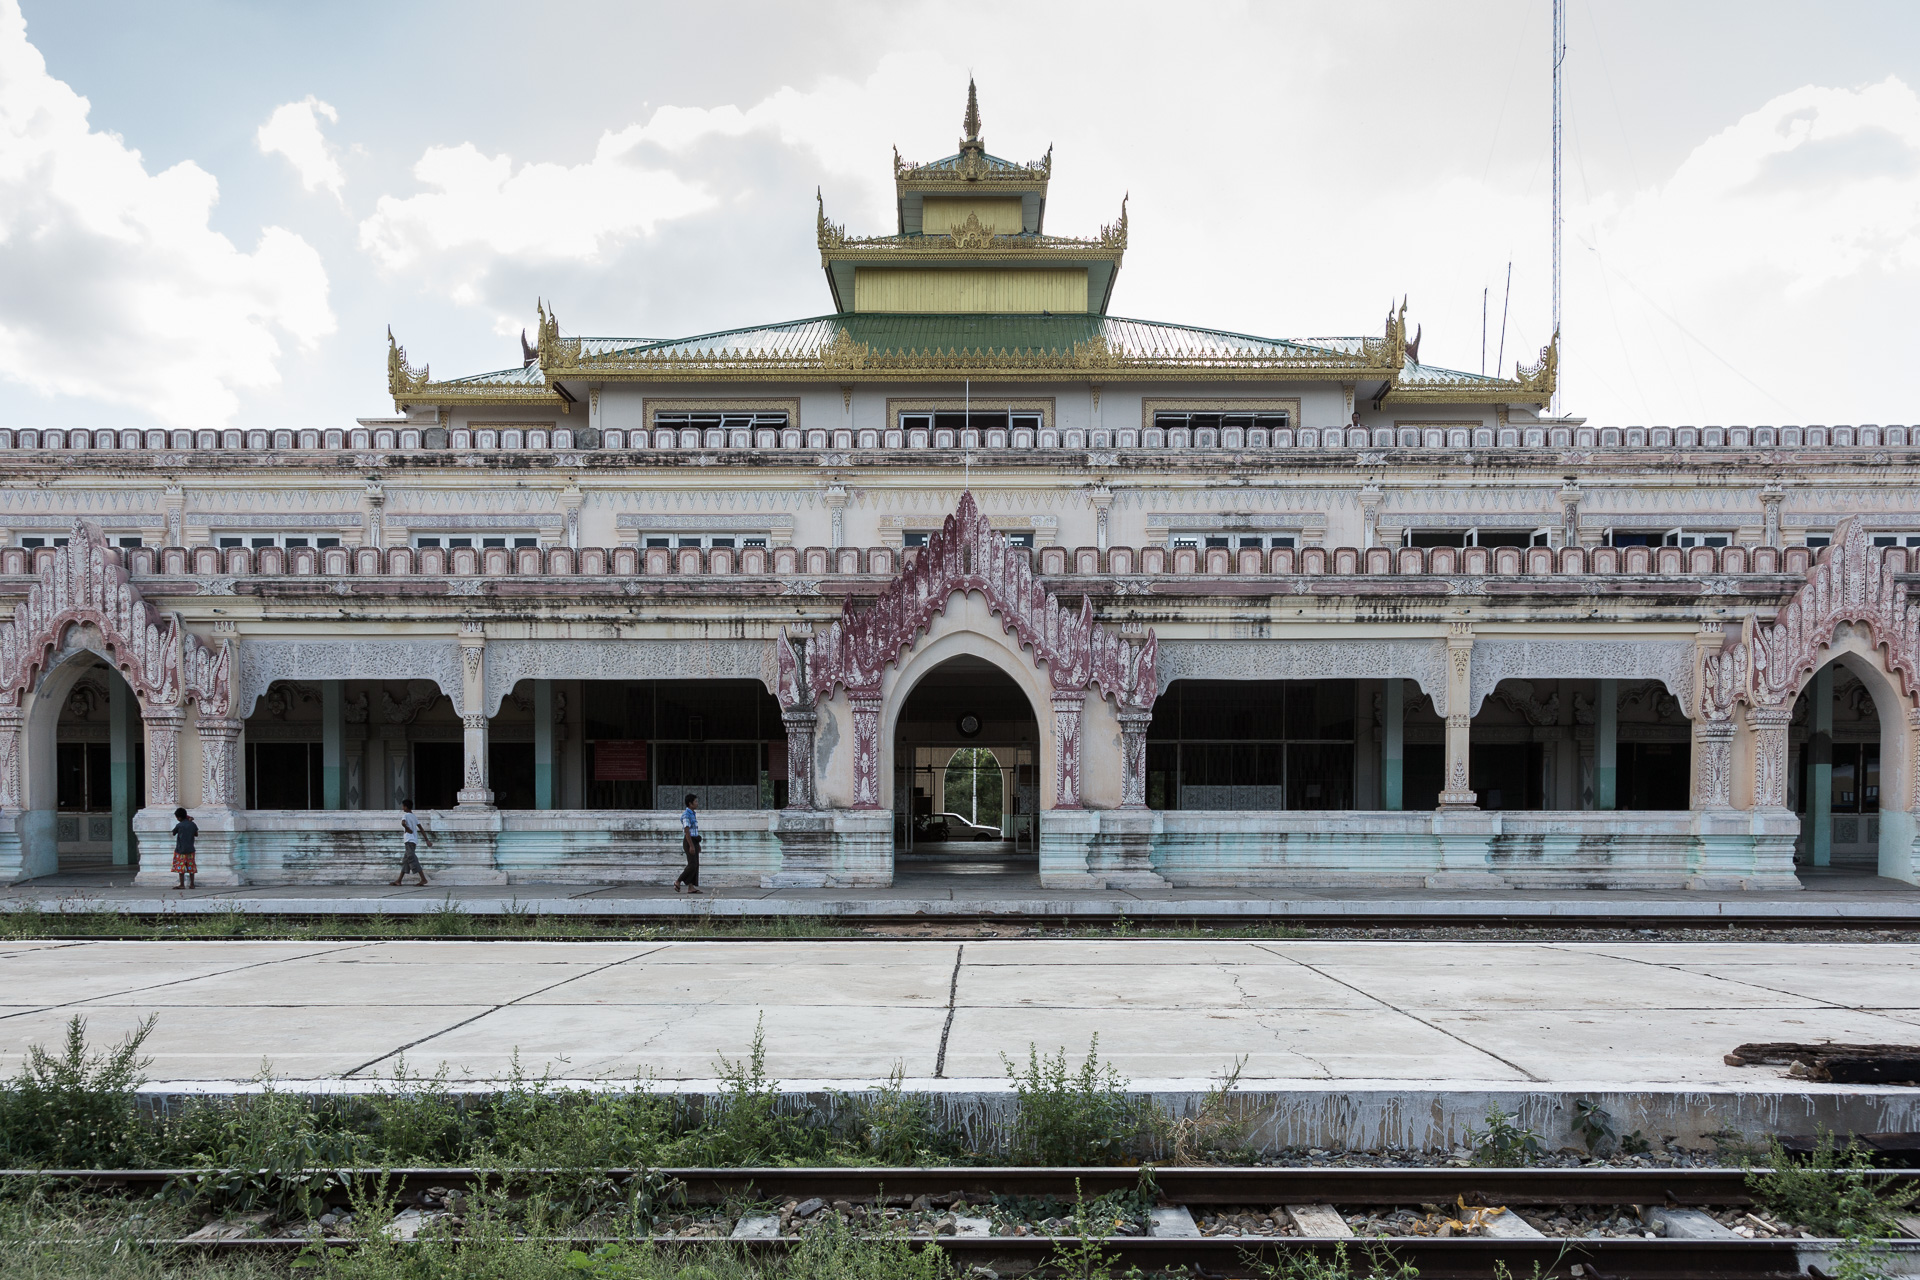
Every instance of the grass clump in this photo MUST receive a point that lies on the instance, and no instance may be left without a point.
(1833, 1192)
(74, 1109)
(1071, 1116)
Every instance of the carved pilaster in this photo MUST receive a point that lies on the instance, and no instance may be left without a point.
(1457, 794)
(219, 762)
(866, 749)
(1770, 499)
(1913, 755)
(1133, 758)
(570, 503)
(1570, 514)
(376, 515)
(1769, 725)
(1370, 516)
(176, 502)
(837, 509)
(800, 722)
(1712, 764)
(1102, 499)
(1067, 706)
(163, 756)
(474, 791)
(13, 721)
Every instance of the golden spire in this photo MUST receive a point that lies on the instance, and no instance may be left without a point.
(972, 122)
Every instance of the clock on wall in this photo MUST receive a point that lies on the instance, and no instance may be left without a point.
(969, 725)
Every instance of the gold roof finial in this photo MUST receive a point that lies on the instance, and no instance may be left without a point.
(972, 122)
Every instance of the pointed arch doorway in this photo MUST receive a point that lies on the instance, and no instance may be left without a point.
(965, 735)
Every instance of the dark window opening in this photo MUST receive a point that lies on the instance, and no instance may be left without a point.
(438, 768)
(284, 775)
(1267, 744)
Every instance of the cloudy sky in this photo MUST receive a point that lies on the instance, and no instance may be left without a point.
(210, 210)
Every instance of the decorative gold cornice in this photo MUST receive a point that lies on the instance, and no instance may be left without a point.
(1531, 384)
(409, 385)
(970, 239)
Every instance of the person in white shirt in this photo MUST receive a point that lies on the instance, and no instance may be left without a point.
(412, 832)
(690, 845)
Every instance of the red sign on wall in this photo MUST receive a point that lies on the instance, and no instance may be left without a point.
(620, 760)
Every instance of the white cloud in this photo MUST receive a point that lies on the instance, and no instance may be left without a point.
(482, 209)
(293, 130)
(1734, 288)
(117, 288)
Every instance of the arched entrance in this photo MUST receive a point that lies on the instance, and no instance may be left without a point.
(1835, 749)
(966, 727)
(84, 792)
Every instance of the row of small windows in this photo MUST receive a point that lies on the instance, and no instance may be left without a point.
(705, 540)
(1169, 420)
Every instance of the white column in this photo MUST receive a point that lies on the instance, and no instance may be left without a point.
(474, 792)
(1457, 793)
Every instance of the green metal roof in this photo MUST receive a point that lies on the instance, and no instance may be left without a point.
(963, 332)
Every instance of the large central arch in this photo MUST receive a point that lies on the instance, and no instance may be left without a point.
(967, 557)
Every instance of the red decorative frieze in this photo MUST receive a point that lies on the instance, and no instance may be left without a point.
(83, 584)
(1853, 582)
(966, 554)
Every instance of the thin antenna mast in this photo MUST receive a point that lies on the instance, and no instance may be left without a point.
(1483, 333)
(1559, 57)
(1500, 361)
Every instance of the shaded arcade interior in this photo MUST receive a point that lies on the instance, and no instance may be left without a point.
(966, 776)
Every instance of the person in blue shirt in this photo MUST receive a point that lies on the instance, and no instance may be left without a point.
(690, 845)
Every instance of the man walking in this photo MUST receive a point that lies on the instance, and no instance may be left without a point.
(411, 832)
(690, 845)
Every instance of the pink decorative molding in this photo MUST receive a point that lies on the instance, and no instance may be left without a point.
(965, 555)
(1852, 582)
(84, 584)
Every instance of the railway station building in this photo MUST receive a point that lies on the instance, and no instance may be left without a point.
(967, 556)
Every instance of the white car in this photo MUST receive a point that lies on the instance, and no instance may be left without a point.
(959, 828)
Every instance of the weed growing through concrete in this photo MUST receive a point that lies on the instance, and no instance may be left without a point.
(1078, 1116)
(75, 1109)
(1504, 1143)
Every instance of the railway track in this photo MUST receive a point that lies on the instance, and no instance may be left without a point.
(1659, 1198)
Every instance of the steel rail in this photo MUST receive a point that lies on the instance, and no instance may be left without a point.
(1179, 1184)
(1460, 1258)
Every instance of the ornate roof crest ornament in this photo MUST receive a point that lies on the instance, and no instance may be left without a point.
(402, 377)
(1539, 376)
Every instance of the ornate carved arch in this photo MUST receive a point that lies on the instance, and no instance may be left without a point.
(967, 555)
(84, 583)
(1850, 583)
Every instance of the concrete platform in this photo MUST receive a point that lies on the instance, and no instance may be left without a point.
(1360, 1043)
(965, 887)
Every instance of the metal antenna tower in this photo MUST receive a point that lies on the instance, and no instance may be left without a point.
(1559, 58)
